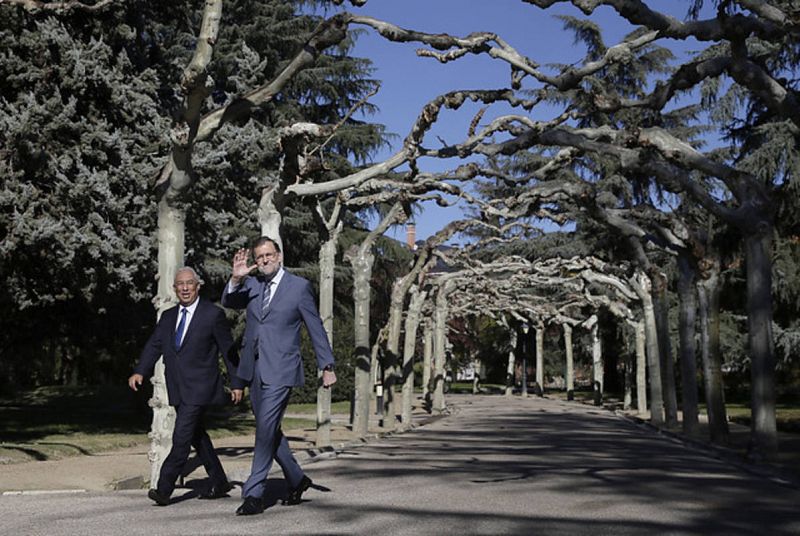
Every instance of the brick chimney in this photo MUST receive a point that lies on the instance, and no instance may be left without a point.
(411, 236)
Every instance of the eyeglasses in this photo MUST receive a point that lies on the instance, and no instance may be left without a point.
(265, 257)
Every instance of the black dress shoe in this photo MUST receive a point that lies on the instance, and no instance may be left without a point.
(250, 506)
(296, 494)
(216, 491)
(161, 500)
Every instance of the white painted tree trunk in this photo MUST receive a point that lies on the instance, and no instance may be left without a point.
(512, 360)
(540, 360)
(641, 368)
(477, 366)
(569, 380)
(597, 365)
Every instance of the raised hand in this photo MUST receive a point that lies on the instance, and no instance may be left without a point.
(240, 267)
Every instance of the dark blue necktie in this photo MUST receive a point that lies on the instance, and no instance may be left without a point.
(179, 331)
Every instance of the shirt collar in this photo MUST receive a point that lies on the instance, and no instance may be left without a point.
(276, 279)
(190, 308)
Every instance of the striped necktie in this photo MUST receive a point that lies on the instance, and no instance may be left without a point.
(266, 298)
(181, 327)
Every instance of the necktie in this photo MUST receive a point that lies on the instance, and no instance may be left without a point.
(179, 331)
(265, 301)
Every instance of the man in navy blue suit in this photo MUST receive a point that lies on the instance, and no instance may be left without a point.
(277, 303)
(190, 337)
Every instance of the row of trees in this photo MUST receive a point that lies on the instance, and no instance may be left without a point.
(243, 118)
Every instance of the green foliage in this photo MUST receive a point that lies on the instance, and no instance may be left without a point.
(86, 106)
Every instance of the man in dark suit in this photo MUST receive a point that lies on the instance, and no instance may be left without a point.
(277, 303)
(190, 337)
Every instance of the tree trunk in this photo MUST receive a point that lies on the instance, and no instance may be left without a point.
(687, 328)
(641, 284)
(641, 368)
(327, 262)
(512, 360)
(597, 365)
(362, 275)
(269, 213)
(476, 379)
(409, 349)
(439, 343)
(708, 298)
(171, 225)
(569, 381)
(399, 291)
(764, 436)
(540, 360)
(362, 260)
(667, 367)
(427, 364)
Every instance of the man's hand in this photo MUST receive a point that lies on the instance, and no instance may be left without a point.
(240, 267)
(328, 378)
(236, 395)
(135, 381)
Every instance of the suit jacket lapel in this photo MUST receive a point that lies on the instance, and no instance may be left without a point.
(279, 291)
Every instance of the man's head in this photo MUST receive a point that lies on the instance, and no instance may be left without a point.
(267, 254)
(187, 284)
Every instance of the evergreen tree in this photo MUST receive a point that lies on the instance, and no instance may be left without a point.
(86, 106)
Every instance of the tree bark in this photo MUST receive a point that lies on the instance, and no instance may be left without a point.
(667, 367)
(641, 368)
(362, 260)
(362, 275)
(764, 436)
(512, 360)
(409, 350)
(439, 345)
(171, 225)
(708, 299)
(540, 360)
(641, 284)
(396, 304)
(427, 364)
(327, 264)
(270, 212)
(688, 351)
(597, 365)
(171, 218)
(569, 380)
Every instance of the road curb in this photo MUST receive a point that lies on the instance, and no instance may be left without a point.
(732, 457)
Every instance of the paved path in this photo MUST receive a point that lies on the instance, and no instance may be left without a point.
(496, 466)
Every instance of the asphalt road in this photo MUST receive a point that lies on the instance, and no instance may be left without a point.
(496, 466)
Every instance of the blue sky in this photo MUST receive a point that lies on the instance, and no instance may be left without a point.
(409, 81)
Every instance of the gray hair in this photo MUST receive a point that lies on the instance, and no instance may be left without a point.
(192, 270)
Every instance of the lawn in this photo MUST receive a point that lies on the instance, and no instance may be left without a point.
(55, 422)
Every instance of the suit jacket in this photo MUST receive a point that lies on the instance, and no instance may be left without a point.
(272, 341)
(192, 373)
